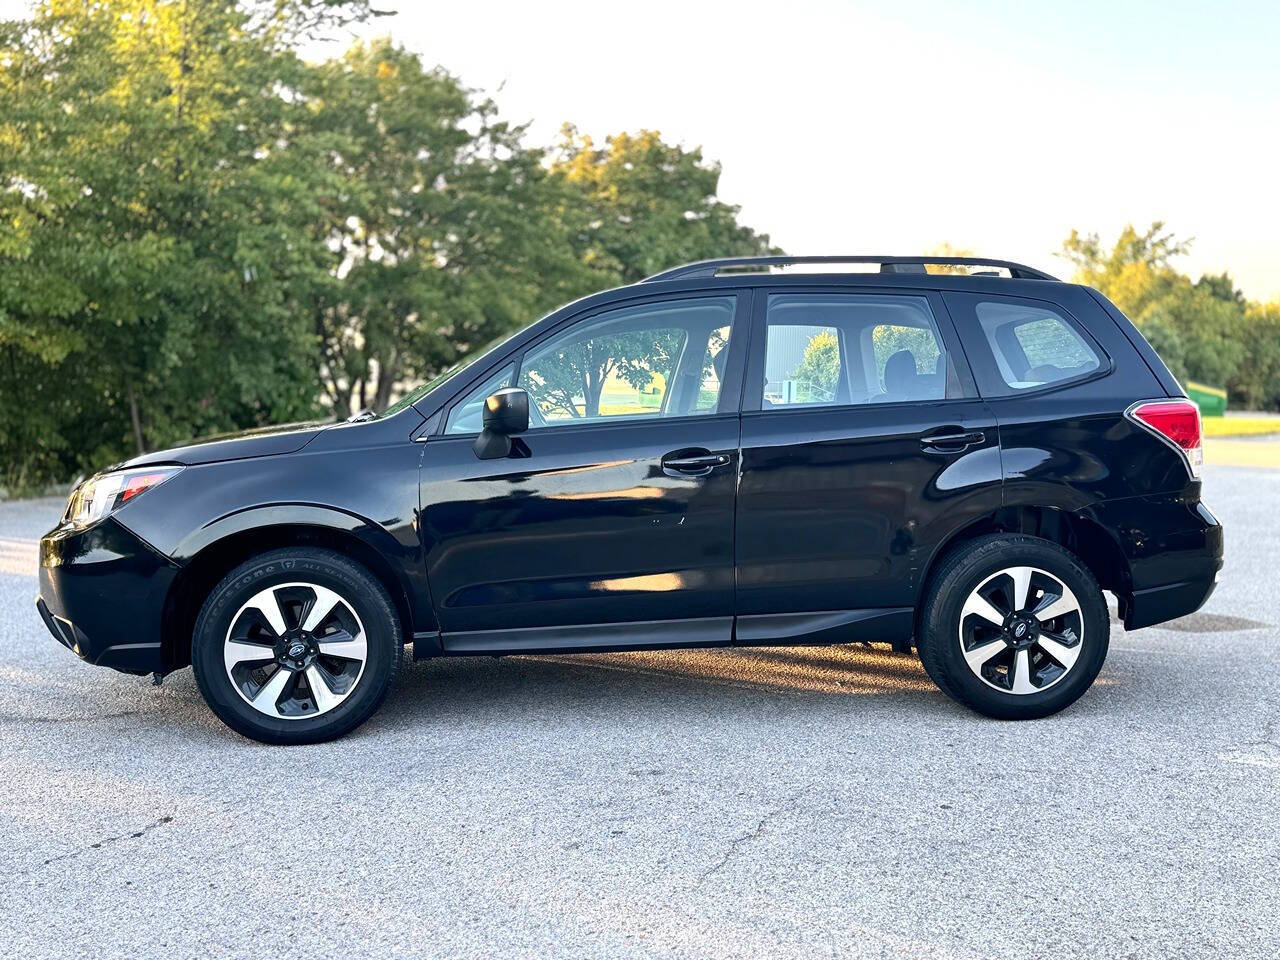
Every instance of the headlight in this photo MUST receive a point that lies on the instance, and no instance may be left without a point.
(103, 494)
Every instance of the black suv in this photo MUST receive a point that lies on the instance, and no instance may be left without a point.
(729, 453)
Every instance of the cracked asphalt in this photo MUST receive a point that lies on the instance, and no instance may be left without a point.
(775, 803)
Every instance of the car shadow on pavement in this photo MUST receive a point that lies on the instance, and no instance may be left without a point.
(630, 684)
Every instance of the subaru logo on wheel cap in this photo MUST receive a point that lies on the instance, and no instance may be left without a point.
(1020, 630)
(297, 650)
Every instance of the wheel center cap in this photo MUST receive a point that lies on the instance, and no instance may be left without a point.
(1021, 631)
(297, 650)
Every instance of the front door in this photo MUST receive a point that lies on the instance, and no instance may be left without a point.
(612, 523)
(863, 445)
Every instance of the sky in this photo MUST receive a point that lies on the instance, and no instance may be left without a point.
(885, 128)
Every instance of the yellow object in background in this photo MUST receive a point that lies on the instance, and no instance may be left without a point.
(1221, 452)
(1239, 426)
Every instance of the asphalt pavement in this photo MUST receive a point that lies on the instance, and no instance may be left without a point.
(774, 803)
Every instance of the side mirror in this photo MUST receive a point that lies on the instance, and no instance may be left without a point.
(505, 413)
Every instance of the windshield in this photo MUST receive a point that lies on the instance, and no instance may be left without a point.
(413, 396)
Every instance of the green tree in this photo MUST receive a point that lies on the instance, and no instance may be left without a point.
(1136, 271)
(1256, 383)
(646, 205)
(156, 202)
(1204, 330)
(200, 232)
(818, 374)
(451, 232)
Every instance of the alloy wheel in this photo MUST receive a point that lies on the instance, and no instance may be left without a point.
(1021, 630)
(295, 650)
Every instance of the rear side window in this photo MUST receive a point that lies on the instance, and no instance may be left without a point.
(841, 349)
(1033, 345)
(802, 365)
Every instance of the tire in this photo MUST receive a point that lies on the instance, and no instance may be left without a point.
(244, 654)
(1022, 667)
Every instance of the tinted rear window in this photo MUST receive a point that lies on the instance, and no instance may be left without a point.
(1034, 346)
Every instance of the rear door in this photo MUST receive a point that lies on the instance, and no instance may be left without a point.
(611, 524)
(863, 445)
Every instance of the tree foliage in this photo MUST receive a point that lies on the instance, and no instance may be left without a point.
(155, 224)
(818, 374)
(644, 205)
(199, 231)
(1205, 330)
(449, 234)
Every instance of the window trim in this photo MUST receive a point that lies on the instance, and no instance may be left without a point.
(968, 303)
(753, 385)
(730, 392)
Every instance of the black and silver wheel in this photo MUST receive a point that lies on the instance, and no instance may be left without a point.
(296, 646)
(1014, 627)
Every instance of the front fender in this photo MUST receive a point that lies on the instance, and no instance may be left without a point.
(398, 557)
(281, 515)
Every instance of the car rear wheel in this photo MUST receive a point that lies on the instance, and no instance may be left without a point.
(299, 645)
(1013, 627)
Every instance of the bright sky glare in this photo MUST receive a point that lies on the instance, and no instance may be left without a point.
(847, 127)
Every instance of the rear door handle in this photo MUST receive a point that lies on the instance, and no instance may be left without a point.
(693, 463)
(952, 439)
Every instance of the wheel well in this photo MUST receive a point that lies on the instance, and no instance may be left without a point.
(210, 565)
(1088, 540)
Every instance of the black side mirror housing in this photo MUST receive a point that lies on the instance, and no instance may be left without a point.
(505, 413)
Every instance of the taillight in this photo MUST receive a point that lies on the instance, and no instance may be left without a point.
(1177, 423)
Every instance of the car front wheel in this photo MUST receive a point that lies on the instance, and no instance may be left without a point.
(1013, 627)
(299, 645)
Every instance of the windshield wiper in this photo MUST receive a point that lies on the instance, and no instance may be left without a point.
(365, 414)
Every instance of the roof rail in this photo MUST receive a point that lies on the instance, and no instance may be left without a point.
(710, 268)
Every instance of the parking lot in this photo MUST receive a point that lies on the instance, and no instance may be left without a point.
(778, 802)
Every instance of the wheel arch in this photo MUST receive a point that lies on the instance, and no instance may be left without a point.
(208, 562)
(1095, 546)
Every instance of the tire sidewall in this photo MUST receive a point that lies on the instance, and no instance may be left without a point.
(365, 595)
(945, 658)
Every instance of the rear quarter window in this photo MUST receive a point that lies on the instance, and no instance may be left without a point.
(1033, 346)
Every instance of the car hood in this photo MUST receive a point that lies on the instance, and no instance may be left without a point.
(262, 442)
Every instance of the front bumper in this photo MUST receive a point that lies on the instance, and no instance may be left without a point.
(102, 594)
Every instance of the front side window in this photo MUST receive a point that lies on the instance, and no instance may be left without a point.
(467, 416)
(837, 349)
(646, 361)
(1034, 346)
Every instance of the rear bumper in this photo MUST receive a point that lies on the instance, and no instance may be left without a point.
(1158, 604)
(102, 594)
(1173, 545)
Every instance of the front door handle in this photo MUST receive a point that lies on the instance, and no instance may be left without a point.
(693, 463)
(950, 439)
